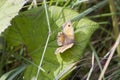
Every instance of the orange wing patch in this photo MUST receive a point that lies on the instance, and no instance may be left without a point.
(60, 39)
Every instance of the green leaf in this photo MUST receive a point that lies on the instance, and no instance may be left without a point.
(83, 31)
(30, 28)
(8, 10)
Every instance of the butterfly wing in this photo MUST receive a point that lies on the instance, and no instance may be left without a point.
(63, 48)
(68, 30)
(60, 39)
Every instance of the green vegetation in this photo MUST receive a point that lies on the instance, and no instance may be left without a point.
(27, 46)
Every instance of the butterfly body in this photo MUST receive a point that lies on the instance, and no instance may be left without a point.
(65, 39)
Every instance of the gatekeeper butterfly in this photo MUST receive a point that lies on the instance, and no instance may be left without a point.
(65, 39)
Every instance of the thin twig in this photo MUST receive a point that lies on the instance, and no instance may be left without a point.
(110, 57)
(33, 4)
(90, 72)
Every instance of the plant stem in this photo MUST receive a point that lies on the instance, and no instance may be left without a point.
(115, 22)
(44, 51)
(112, 51)
(86, 12)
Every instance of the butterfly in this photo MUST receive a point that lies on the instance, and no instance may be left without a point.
(65, 39)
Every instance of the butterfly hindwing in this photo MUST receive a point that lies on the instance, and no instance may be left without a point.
(63, 48)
